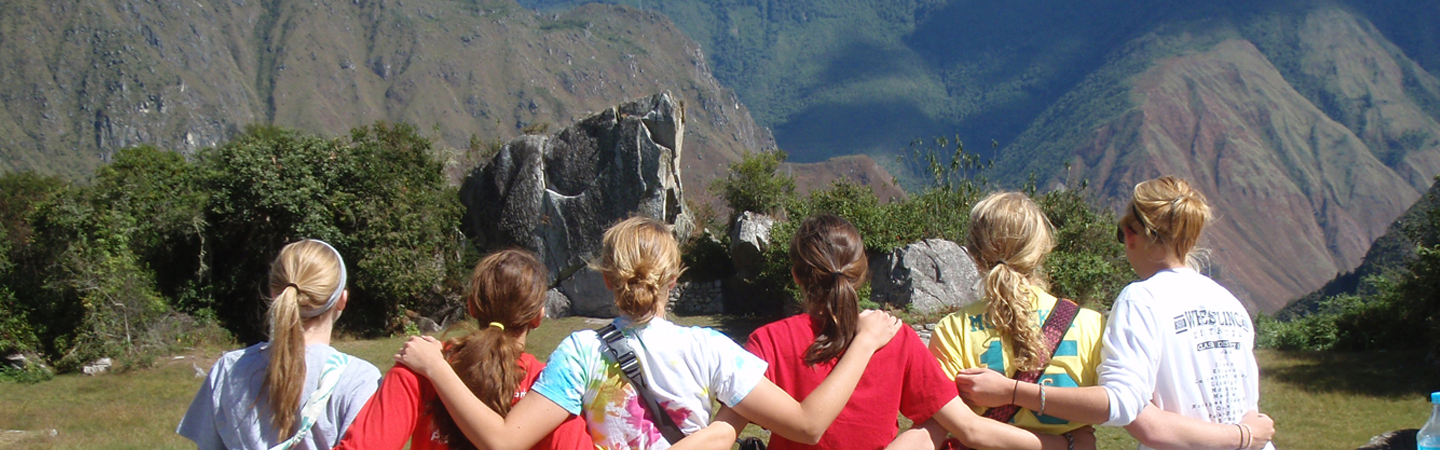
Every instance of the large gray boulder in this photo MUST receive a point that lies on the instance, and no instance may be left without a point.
(933, 275)
(555, 195)
(749, 240)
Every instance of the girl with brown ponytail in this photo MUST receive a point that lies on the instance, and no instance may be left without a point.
(294, 391)
(685, 369)
(829, 263)
(507, 300)
(1177, 367)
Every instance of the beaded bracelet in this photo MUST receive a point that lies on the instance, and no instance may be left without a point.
(1069, 441)
(1042, 398)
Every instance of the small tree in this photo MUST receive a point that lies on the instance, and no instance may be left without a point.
(755, 184)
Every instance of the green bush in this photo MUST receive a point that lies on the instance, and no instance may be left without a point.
(1087, 265)
(160, 248)
(380, 198)
(755, 184)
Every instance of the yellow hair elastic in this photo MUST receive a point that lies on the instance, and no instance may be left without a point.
(499, 325)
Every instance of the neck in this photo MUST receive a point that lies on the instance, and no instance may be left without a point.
(1160, 262)
(318, 330)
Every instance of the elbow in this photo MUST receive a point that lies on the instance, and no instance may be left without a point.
(1125, 406)
(1152, 433)
(810, 435)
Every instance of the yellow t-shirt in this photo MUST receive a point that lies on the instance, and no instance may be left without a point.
(965, 339)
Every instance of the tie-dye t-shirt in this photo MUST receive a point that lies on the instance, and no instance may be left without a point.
(686, 368)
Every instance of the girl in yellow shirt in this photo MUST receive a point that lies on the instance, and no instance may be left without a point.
(1009, 240)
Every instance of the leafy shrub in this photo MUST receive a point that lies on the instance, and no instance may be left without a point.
(162, 249)
(381, 199)
(1087, 265)
(755, 184)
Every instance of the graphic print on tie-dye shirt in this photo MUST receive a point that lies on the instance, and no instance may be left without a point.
(583, 379)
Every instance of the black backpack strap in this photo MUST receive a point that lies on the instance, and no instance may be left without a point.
(616, 346)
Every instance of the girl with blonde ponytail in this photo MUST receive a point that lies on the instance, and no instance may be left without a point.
(294, 391)
(828, 263)
(507, 300)
(1009, 240)
(1177, 367)
(685, 369)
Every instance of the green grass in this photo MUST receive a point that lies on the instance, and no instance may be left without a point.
(1318, 400)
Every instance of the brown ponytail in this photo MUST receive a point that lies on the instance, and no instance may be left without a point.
(507, 294)
(302, 280)
(828, 260)
(1009, 239)
(640, 259)
(1169, 211)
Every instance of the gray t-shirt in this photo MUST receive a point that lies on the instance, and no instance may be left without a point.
(226, 415)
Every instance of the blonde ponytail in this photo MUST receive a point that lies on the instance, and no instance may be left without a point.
(1009, 240)
(305, 281)
(285, 374)
(1169, 211)
(640, 258)
(1008, 308)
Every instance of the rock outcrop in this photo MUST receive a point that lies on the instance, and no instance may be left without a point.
(933, 275)
(556, 195)
(749, 239)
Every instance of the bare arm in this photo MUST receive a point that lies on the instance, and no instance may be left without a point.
(985, 387)
(978, 432)
(771, 407)
(1165, 430)
(923, 436)
(528, 422)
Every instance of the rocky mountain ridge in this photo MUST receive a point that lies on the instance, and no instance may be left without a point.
(87, 79)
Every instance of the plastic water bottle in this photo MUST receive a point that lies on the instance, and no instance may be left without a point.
(1429, 436)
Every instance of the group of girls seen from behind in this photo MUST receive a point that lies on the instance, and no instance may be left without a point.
(833, 377)
(1146, 369)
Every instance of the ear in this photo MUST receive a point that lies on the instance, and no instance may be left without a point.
(608, 285)
(535, 323)
(795, 276)
(344, 299)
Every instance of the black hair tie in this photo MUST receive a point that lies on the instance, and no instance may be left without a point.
(835, 276)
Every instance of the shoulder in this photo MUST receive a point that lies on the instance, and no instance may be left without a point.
(780, 327)
(575, 347)
(235, 360)
(359, 367)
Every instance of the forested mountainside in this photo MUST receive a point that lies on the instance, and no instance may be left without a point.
(81, 80)
(1304, 175)
(1312, 124)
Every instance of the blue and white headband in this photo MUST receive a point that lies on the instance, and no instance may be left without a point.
(340, 288)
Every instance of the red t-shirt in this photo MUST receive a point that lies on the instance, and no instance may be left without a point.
(901, 378)
(399, 412)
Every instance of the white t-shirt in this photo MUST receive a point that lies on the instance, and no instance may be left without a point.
(686, 367)
(1182, 341)
(226, 415)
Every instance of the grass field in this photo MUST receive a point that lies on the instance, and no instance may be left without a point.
(1318, 400)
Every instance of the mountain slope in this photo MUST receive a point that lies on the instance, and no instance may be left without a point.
(1300, 195)
(85, 80)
